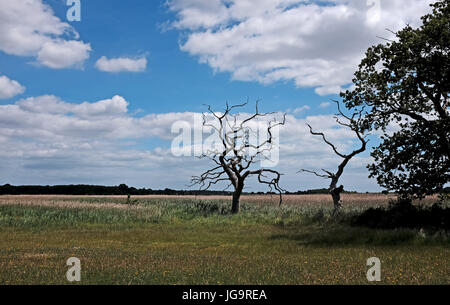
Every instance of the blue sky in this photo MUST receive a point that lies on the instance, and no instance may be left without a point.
(173, 81)
(68, 118)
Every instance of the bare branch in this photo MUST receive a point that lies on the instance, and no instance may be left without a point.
(352, 123)
(238, 155)
(315, 173)
(325, 140)
(272, 183)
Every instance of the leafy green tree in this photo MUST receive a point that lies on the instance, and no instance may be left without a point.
(404, 85)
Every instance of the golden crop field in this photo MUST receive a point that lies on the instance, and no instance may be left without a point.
(369, 199)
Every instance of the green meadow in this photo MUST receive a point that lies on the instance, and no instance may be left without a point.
(197, 241)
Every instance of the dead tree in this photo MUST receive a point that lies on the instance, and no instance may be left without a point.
(235, 156)
(352, 123)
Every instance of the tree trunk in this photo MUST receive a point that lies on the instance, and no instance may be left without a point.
(235, 207)
(336, 198)
(336, 195)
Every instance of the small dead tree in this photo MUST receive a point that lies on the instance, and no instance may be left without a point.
(235, 155)
(352, 123)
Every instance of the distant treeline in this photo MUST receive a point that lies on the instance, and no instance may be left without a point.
(124, 189)
(82, 189)
(316, 191)
(121, 189)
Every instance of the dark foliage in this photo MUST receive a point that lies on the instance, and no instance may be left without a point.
(317, 191)
(407, 82)
(122, 189)
(403, 214)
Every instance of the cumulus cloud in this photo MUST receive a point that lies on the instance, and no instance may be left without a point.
(314, 45)
(46, 140)
(9, 88)
(301, 109)
(325, 105)
(62, 54)
(121, 64)
(30, 28)
(53, 105)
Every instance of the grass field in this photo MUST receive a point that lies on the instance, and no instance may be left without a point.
(194, 240)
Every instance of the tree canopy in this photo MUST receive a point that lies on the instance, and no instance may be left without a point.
(404, 85)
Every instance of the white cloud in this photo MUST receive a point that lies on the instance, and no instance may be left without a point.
(63, 54)
(301, 109)
(9, 88)
(30, 28)
(50, 104)
(328, 90)
(325, 105)
(46, 140)
(121, 64)
(282, 40)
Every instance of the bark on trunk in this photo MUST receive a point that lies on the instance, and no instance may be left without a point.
(235, 207)
(336, 195)
(336, 199)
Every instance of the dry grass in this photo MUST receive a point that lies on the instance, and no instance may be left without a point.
(178, 240)
(57, 201)
(363, 200)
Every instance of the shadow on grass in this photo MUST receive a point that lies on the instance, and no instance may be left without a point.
(401, 223)
(403, 214)
(350, 236)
